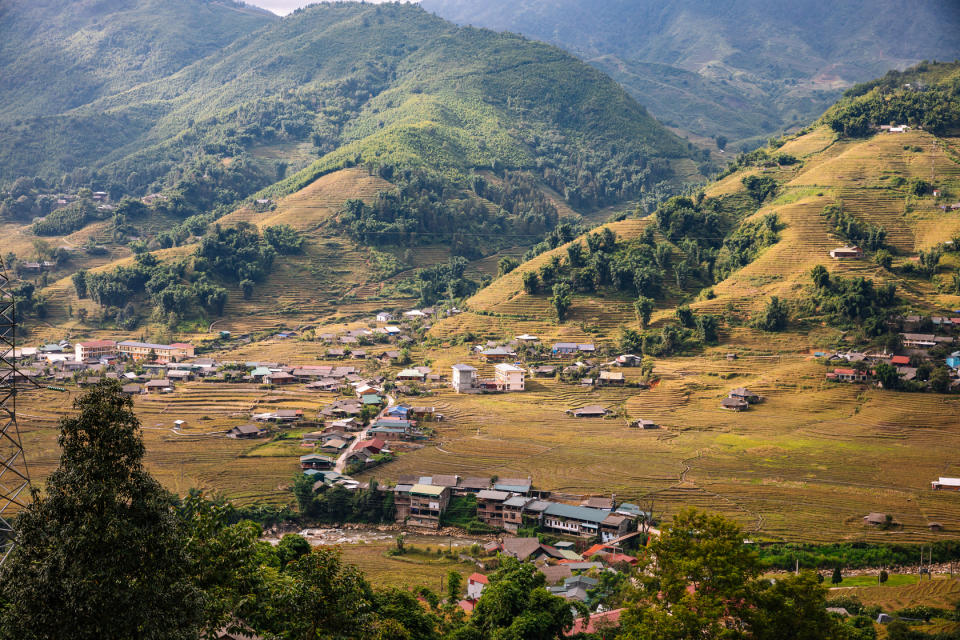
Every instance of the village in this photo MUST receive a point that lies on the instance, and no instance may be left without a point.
(375, 406)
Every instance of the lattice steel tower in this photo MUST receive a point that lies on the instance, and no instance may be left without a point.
(14, 476)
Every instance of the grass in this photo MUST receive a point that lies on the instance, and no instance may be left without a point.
(894, 580)
(409, 571)
(940, 592)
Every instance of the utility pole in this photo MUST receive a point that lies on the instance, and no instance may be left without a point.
(14, 475)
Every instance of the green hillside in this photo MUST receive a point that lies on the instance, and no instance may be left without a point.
(59, 54)
(386, 84)
(741, 69)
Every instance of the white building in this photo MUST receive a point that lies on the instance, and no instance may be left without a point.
(475, 585)
(95, 349)
(508, 377)
(464, 378)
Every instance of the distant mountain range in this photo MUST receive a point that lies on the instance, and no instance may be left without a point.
(741, 69)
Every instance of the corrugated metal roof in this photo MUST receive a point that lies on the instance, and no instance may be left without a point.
(578, 513)
(426, 490)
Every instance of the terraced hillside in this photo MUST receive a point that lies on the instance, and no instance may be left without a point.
(868, 178)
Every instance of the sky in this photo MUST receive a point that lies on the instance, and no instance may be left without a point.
(283, 7)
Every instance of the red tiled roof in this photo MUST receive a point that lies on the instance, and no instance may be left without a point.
(848, 372)
(590, 625)
(900, 360)
(613, 558)
(467, 605)
(478, 577)
(375, 443)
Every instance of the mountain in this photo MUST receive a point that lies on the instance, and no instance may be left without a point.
(776, 213)
(398, 130)
(389, 83)
(59, 54)
(742, 69)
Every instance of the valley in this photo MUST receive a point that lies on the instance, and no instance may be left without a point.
(361, 303)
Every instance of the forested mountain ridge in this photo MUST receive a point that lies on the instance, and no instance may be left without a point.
(740, 69)
(428, 134)
(396, 83)
(59, 54)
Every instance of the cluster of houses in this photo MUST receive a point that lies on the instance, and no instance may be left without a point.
(510, 504)
(858, 366)
(87, 363)
(509, 375)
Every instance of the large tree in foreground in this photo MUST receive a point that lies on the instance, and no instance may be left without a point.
(98, 556)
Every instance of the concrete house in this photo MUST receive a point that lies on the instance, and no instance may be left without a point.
(490, 507)
(475, 585)
(847, 253)
(427, 504)
(576, 521)
(464, 378)
(508, 377)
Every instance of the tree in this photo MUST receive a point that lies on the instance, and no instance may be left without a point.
(721, 142)
(80, 283)
(940, 380)
(643, 307)
(887, 375)
(774, 317)
(234, 569)
(561, 300)
(820, 276)
(454, 585)
(100, 554)
(685, 316)
(700, 580)
(246, 286)
(575, 254)
(883, 577)
(516, 605)
(707, 328)
(837, 576)
(630, 341)
(506, 265)
(327, 599)
(883, 258)
(790, 608)
(531, 283)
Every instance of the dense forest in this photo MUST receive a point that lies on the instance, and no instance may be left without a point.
(457, 100)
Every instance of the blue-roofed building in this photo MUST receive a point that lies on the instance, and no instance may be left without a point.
(564, 348)
(953, 360)
(399, 411)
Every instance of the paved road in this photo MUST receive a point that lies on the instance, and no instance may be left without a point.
(361, 436)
